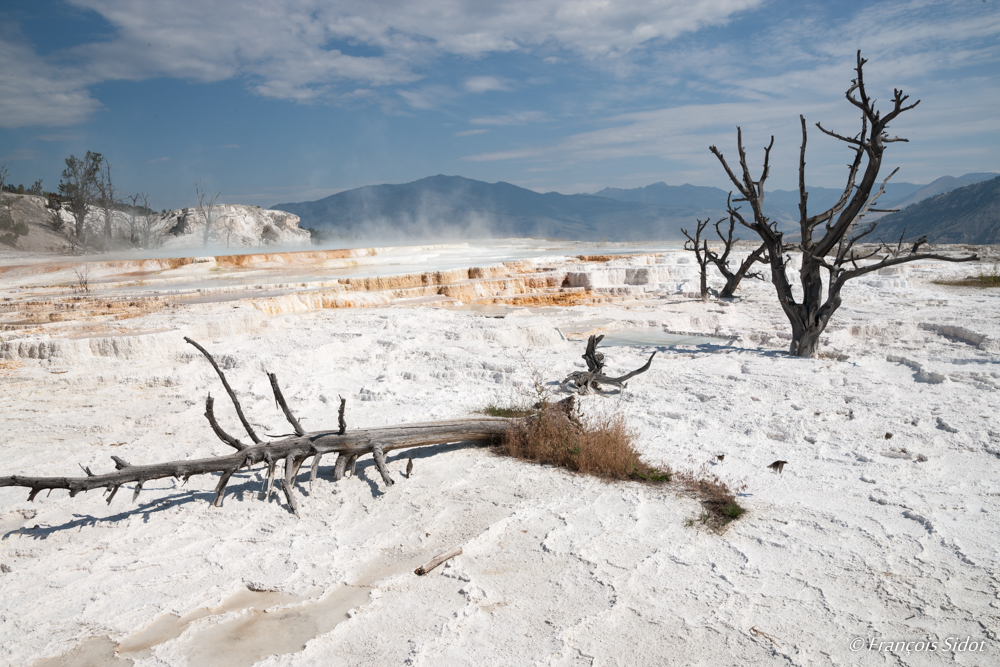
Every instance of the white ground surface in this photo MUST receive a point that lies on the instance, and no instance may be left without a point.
(863, 540)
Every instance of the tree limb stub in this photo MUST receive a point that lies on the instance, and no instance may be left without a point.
(293, 449)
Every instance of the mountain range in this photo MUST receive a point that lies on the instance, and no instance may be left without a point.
(453, 207)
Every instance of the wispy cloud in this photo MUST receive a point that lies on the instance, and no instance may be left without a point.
(470, 133)
(19, 154)
(803, 65)
(518, 118)
(165, 158)
(484, 84)
(230, 146)
(57, 136)
(428, 97)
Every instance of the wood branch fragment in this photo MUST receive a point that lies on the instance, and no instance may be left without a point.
(229, 390)
(220, 488)
(313, 471)
(437, 560)
(765, 636)
(280, 400)
(225, 437)
(340, 467)
(269, 483)
(288, 481)
(340, 416)
(383, 469)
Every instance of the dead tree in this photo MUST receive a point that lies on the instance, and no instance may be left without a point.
(828, 239)
(292, 450)
(701, 253)
(206, 206)
(108, 196)
(733, 279)
(580, 382)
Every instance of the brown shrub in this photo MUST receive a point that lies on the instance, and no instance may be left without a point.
(593, 446)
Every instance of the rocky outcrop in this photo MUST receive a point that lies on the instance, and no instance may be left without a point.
(234, 226)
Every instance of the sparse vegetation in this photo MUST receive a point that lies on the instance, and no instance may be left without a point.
(9, 228)
(602, 446)
(985, 278)
(718, 501)
(494, 410)
(83, 279)
(598, 446)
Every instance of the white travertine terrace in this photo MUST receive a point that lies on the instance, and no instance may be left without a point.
(862, 535)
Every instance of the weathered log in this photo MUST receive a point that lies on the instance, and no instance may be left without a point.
(483, 430)
(437, 560)
(293, 449)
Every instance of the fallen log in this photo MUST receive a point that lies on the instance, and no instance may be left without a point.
(293, 449)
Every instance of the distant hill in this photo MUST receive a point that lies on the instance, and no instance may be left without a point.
(969, 214)
(456, 207)
(934, 188)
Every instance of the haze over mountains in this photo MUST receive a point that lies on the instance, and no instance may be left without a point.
(453, 207)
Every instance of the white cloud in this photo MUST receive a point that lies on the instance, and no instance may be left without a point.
(483, 84)
(36, 92)
(427, 97)
(470, 133)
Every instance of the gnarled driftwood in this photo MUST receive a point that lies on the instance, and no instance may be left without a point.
(580, 382)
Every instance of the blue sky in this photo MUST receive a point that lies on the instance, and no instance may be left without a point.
(274, 101)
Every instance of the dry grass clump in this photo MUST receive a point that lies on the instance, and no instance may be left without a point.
(557, 435)
(717, 499)
(983, 279)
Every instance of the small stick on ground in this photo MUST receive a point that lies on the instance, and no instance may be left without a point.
(765, 636)
(437, 560)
